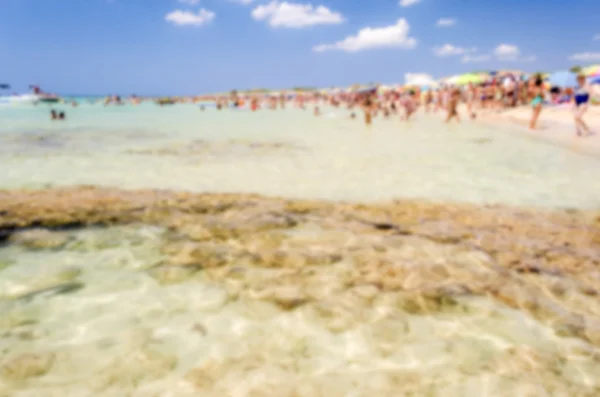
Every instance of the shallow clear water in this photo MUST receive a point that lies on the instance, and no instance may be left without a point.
(330, 157)
(126, 333)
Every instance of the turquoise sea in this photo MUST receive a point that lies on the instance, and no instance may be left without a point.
(329, 157)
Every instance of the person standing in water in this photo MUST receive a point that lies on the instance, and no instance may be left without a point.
(454, 98)
(581, 99)
(408, 102)
(470, 95)
(428, 100)
(367, 106)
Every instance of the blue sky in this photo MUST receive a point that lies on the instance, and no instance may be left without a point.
(147, 47)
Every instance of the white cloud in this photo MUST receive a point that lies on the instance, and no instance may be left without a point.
(450, 50)
(244, 2)
(503, 52)
(293, 15)
(507, 52)
(393, 36)
(445, 22)
(475, 58)
(418, 79)
(585, 56)
(510, 52)
(408, 3)
(189, 2)
(181, 18)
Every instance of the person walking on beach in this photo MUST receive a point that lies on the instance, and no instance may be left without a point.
(537, 93)
(581, 100)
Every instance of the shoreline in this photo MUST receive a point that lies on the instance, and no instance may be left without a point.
(558, 130)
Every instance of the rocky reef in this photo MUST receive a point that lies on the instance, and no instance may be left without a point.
(391, 266)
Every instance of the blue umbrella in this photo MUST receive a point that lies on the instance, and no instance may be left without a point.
(563, 79)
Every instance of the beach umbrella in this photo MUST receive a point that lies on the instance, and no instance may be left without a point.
(474, 78)
(591, 71)
(450, 80)
(563, 79)
(383, 88)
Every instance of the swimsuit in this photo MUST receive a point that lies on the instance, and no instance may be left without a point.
(581, 97)
(538, 100)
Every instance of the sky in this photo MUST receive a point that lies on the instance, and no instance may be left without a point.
(187, 47)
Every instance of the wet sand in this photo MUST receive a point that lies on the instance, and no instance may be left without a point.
(556, 125)
(182, 294)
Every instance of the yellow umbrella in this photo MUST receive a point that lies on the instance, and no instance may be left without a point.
(469, 78)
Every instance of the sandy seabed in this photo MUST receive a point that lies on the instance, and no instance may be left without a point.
(105, 292)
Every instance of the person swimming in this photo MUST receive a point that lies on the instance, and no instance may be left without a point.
(53, 115)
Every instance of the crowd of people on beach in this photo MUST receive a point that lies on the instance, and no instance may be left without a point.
(469, 100)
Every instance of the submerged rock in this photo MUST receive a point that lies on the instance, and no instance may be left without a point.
(133, 368)
(205, 255)
(22, 367)
(48, 281)
(288, 297)
(4, 263)
(40, 239)
(169, 274)
(60, 289)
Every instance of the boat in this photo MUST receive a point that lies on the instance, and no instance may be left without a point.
(36, 97)
(48, 99)
(28, 99)
(19, 99)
